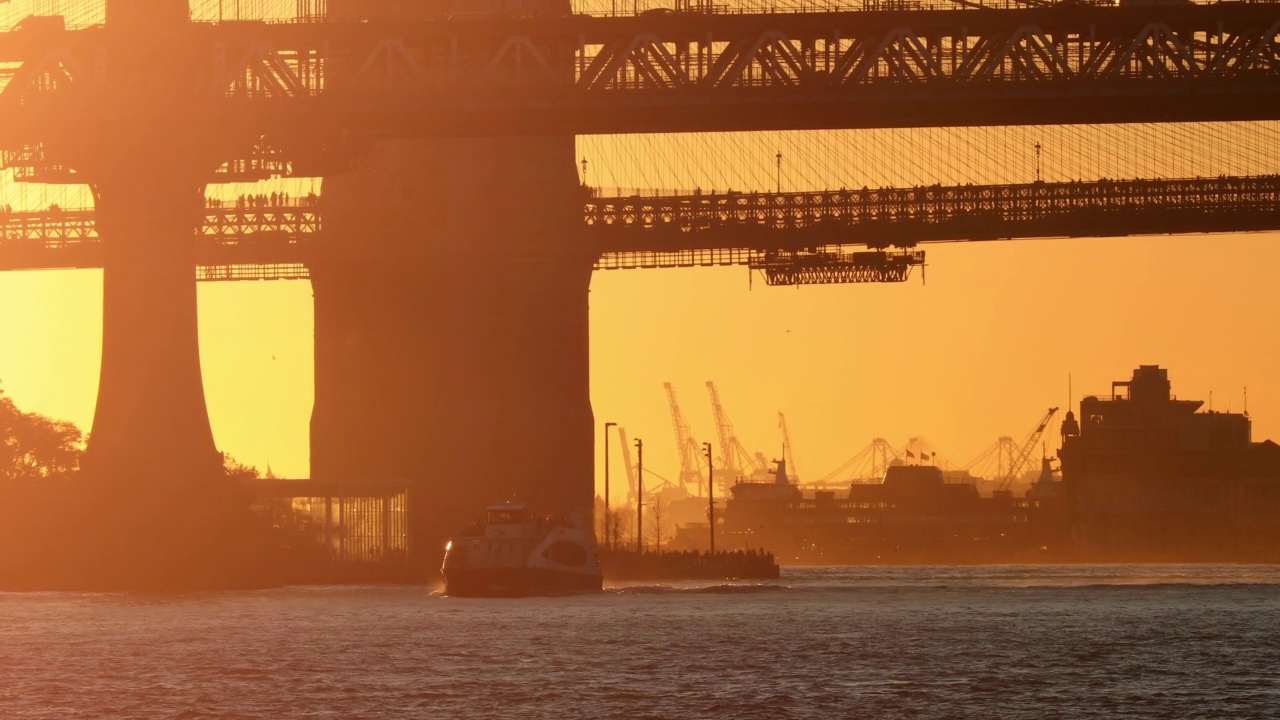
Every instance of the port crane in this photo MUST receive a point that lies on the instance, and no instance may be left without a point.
(787, 453)
(735, 461)
(687, 449)
(996, 461)
(871, 462)
(1023, 457)
(629, 464)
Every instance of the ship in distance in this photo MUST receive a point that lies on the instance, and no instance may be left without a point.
(1145, 477)
(512, 551)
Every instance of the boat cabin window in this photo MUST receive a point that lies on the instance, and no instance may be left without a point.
(507, 517)
(566, 553)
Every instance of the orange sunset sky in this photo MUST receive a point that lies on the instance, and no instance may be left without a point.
(981, 350)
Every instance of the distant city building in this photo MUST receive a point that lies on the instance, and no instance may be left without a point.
(1149, 477)
(1145, 478)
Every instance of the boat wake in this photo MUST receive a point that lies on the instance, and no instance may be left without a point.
(720, 589)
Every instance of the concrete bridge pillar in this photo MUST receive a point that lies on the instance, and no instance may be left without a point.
(451, 322)
(157, 510)
(451, 310)
(150, 426)
(150, 421)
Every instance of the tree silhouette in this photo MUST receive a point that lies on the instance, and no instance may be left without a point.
(658, 507)
(237, 470)
(36, 449)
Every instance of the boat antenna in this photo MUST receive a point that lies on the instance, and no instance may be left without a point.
(1246, 400)
(1070, 394)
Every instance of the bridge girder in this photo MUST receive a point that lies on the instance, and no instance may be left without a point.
(311, 83)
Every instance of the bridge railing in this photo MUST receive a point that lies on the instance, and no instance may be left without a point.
(993, 205)
(703, 229)
(626, 8)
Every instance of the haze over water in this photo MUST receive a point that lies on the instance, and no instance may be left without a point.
(992, 642)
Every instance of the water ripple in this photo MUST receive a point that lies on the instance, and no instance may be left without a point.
(1000, 642)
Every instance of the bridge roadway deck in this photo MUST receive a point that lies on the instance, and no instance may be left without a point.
(303, 83)
(706, 228)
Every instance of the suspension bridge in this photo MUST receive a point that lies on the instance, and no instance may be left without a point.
(271, 239)
(452, 247)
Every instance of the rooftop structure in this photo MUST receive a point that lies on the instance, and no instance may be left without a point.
(1148, 476)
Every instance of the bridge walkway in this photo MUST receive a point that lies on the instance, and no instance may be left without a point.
(707, 228)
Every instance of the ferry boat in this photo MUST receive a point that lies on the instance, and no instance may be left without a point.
(514, 552)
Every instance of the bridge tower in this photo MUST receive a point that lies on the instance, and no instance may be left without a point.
(148, 185)
(158, 477)
(451, 321)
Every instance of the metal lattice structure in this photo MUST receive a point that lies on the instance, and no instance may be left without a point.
(303, 82)
(735, 460)
(868, 465)
(687, 449)
(791, 237)
(735, 228)
(837, 267)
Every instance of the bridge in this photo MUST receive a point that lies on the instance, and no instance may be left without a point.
(451, 253)
(762, 231)
(670, 72)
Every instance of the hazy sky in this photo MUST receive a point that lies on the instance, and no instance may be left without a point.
(979, 351)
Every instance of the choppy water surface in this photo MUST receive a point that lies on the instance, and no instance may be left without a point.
(994, 642)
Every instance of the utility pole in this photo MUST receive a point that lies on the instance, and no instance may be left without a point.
(607, 536)
(711, 497)
(639, 496)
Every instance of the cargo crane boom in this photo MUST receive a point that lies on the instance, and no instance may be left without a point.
(631, 470)
(687, 449)
(1023, 457)
(734, 459)
(871, 462)
(787, 453)
(626, 463)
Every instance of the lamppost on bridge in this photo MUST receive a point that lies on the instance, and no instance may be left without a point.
(584, 173)
(639, 496)
(1037, 162)
(607, 536)
(778, 175)
(711, 497)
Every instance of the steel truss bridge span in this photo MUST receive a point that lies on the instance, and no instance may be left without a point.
(677, 72)
(786, 235)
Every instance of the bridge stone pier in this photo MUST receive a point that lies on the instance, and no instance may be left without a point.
(150, 419)
(451, 340)
(158, 509)
(151, 425)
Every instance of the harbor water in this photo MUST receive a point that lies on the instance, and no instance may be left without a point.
(986, 642)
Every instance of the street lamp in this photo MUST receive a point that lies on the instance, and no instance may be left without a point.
(639, 496)
(607, 536)
(711, 498)
(1037, 162)
(778, 176)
